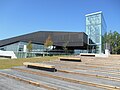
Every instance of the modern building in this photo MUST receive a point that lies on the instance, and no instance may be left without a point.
(73, 41)
(95, 29)
(90, 42)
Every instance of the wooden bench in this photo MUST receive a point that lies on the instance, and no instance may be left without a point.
(87, 54)
(40, 66)
(70, 59)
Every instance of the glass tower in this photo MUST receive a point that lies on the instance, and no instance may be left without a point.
(95, 28)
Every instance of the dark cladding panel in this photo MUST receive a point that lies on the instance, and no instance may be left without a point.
(74, 39)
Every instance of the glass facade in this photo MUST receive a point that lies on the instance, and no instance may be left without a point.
(95, 28)
(38, 48)
(11, 47)
(19, 46)
(18, 49)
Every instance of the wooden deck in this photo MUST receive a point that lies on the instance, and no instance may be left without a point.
(90, 74)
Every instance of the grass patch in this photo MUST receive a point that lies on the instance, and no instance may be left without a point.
(9, 63)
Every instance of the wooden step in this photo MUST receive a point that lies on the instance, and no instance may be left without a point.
(70, 59)
(87, 54)
(40, 66)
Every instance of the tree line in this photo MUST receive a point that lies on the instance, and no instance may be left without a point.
(111, 40)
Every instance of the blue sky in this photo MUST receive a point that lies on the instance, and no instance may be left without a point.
(19, 17)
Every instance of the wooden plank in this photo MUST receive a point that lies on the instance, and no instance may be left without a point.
(40, 66)
(87, 54)
(70, 59)
(28, 81)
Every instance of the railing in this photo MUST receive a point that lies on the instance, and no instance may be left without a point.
(42, 53)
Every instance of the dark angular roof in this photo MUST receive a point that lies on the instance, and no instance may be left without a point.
(58, 38)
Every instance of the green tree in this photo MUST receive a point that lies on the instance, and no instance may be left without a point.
(104, 41)
(113, 38)
(65, 46)
(48, 42)
(116, 42)
(29, 46)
